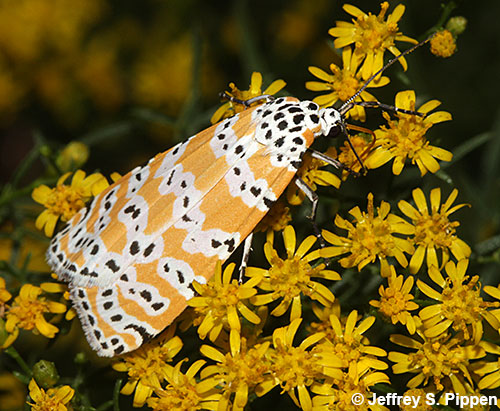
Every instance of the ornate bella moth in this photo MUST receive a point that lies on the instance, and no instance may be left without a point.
(131, 256)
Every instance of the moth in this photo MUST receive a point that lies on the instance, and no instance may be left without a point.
(131, 255)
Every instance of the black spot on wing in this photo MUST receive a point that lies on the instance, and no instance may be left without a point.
(111, 264)
(119, 350)
(268, 202)
(282, 125)
(146, 295)
(256, 191)
(157, 306)
(149, 250)
(279, 142)
(140, 330)
(230, 245)
(134, 247)
(298, 118)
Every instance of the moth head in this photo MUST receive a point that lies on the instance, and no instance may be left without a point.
(331, 122)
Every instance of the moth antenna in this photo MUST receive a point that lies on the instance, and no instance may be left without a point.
(349, 103)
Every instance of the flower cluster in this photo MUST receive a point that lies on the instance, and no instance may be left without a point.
(364, 43)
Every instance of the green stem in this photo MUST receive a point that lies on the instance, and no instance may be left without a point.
(15, 355)
(116, 395)
(445, 15)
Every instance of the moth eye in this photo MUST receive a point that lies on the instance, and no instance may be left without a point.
(334, 131)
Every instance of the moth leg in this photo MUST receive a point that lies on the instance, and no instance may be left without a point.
(247, 249)
(313, 197)
(333, 162)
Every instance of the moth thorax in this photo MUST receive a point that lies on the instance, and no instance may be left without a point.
(331, 121)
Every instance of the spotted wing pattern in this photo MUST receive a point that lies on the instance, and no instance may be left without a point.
(131, 256)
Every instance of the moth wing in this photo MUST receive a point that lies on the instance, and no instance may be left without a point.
(151, 294)
(102, 240)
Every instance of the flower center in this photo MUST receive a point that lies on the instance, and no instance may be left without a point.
(462, 304)
(289, 278)
(150, 365)
(347, 85)
(182, 396)
(393, 303)
(247, 367)
(436, 360)
(374, 236)
(406, 136)
(48, 402)
(373, 33)
(434, 230)
(443, 44)
(28, 312)
(65, 201)
(294, 367)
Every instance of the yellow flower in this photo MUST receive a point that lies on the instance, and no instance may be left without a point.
(370, 237)
(395, 301)
(28, 312)
(309, 171)
(436, 361)
(147, 366)
(405, 137)
(220, 302)
(443, 44)
(54, 399)
(343, 83)
(239, 372)
(184, 392)
(64, 201)
(339, 396)
(231, 108)
(276, 219)
(371, 36)
(298, 368)
(290, 278)
(362, 145)
(344, 340)
(433, 229)
(460, 305)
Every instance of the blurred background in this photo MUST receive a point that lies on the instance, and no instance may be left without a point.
(130, 79)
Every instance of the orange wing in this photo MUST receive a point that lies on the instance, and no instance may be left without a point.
(131, 257)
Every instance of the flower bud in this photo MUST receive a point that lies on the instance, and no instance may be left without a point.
(74, 155)
(456, 25)
(45, 374)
